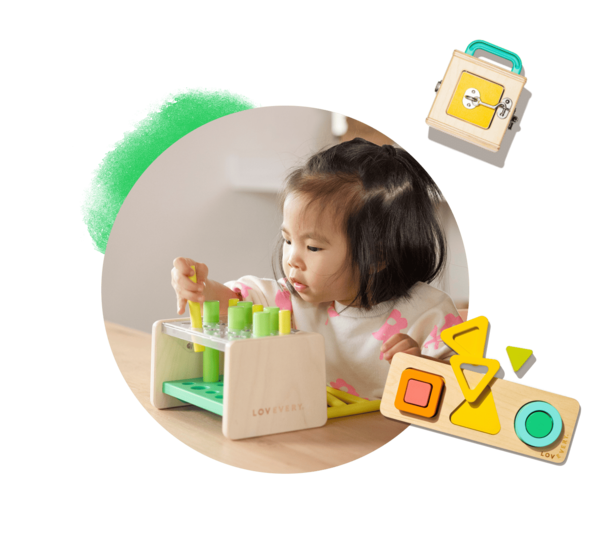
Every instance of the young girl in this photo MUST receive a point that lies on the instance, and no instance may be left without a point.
(360, 241)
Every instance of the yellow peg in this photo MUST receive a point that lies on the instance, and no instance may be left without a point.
(354, 409)
(334, 401)
(285, 322)
(195, 315)
(345, 396)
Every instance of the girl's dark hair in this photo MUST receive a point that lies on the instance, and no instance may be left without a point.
(387, 205)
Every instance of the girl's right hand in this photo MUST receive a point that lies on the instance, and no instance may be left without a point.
(185, 288)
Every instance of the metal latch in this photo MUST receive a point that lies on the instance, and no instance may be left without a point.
(514, 119)
(472, 99)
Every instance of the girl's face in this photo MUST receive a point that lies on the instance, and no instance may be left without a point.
(315, 254)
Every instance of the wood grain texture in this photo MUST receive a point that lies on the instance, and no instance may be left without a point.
(274, 385)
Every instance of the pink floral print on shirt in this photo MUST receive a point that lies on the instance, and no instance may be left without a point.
(450, 320)
(388, 330)
(283, 300)
(331, 312)
(242, 289)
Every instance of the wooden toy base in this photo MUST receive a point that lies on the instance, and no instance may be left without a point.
(270, 384)
(508, 398)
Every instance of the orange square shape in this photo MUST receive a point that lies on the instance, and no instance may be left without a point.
(429, 410)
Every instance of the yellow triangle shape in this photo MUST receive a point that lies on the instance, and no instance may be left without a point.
(467, 338)
(480, 416)
(492, 366)
(518, 356)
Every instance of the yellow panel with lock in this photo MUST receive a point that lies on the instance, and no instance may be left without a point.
(486, 92)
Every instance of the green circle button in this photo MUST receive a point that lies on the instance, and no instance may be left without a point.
(539, 424)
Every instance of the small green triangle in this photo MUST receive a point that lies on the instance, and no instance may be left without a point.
(518, 356)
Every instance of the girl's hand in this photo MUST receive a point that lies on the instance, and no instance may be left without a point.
(185, 289)
(400, 343)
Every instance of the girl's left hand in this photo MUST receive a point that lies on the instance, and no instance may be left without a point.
(399, 343)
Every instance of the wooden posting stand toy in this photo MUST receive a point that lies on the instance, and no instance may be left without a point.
(259, 380)
(269, 384)
(476, 100)
(478, 407)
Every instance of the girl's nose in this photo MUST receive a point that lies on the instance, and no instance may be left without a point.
(294, 260)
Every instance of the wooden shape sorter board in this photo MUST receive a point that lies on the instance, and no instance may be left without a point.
(480, 125)
(508, 398)
(270, 384)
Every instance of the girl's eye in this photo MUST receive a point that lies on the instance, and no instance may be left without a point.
(313, 249)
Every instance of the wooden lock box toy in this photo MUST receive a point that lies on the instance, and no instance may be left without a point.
(476, 99)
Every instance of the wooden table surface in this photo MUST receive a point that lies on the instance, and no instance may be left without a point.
(339, 441)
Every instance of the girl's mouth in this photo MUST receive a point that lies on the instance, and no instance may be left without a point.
(298, 285)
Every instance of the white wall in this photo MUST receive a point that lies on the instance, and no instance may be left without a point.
(212, 197)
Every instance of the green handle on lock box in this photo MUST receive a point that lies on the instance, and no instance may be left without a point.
(495, 50)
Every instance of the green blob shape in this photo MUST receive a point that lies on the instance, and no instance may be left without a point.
(539, 424)
(123, 166)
